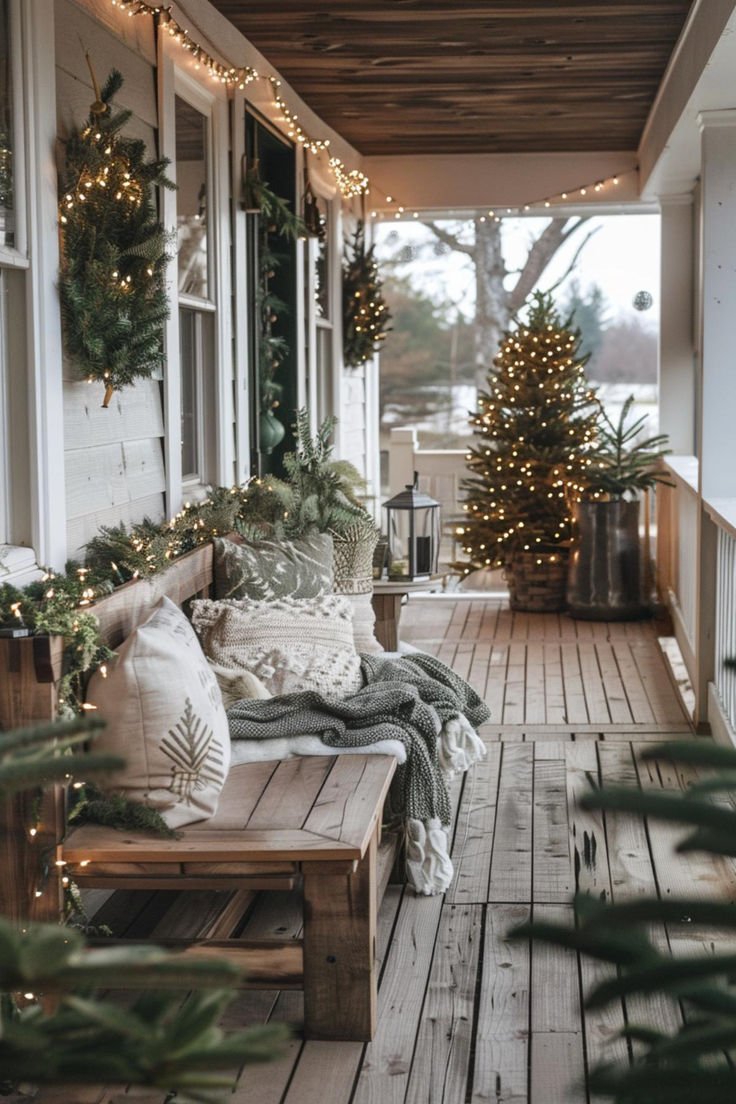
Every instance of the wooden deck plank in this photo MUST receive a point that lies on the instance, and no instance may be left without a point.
(557, 1056)
(554, 688)
(384, 1076)
(618, 705)
(595, 695)
(553, 875)
(587, 830)
(575, 706)
(500, 1074)
(639, 704)
(441, 1062)
(515, 695)
(511, 862)
(473, 843)
(535, 702)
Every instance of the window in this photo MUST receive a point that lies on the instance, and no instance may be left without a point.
(196, 306)
(320, 314)
(7, 206)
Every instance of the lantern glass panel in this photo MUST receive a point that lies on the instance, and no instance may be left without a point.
(413, 542)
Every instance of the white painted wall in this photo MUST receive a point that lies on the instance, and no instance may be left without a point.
(113, 458)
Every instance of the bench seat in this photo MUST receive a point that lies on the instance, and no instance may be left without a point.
(314, 821)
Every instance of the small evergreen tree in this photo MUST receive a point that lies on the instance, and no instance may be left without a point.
(113, 268)
(535, 425)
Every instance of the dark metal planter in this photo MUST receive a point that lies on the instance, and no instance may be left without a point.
(605, 579)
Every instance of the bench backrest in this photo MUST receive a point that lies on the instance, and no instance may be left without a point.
(119, 613)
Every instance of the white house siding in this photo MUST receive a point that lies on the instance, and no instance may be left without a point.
(353, 418)
(114, 457)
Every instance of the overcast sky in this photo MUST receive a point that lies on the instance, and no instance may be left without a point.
(622, 257)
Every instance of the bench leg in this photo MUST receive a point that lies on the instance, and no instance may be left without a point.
(340, 981)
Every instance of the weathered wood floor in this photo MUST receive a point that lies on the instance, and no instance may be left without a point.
(465, 1014)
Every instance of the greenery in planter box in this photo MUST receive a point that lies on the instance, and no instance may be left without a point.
(693, 1062)
(624, 463)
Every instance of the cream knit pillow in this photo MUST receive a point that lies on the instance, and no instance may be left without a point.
(165, 717)
(290, 644)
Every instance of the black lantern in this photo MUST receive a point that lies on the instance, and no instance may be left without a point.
(413, 524)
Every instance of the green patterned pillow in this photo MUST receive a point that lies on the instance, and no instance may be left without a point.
(266, 570)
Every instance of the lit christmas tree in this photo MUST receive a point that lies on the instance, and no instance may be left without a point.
(113, 271)
(535, 425)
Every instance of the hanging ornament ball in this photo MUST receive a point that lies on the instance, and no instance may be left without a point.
(642, 300)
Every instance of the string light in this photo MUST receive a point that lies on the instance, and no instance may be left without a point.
(351, 182)
(544, 203)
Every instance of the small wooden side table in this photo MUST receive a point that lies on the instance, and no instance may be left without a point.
(388, 594)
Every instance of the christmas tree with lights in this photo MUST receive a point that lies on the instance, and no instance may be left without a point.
(535, 427)
(113, 267)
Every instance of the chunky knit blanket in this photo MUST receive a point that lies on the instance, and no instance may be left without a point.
(410, 700)
(436, 683)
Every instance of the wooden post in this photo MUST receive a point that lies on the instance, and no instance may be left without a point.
(387, 608)
(340, 982)
(31, 668)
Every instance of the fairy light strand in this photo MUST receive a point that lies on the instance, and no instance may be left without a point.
(571, 196)
(351, 182)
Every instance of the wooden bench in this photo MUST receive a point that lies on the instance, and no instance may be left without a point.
(313, 822)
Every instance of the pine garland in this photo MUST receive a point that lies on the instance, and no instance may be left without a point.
(366, 316)
(114, 250)
(535, 427)
(114, 810)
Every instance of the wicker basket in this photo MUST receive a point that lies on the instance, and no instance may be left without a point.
(537, 587)
(354, 563)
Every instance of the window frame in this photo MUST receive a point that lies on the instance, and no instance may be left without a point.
(215, 415)
(35, 515)
(325, 395)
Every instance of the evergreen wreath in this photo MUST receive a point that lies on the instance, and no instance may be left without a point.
(365, 314)
(114, 249)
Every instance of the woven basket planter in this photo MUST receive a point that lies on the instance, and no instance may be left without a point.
(354, 563)
(535, 587)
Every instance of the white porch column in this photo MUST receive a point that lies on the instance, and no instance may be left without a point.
(676, 327)
(717, 397)
(718, 314)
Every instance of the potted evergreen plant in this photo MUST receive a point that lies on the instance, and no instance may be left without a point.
(605, 581)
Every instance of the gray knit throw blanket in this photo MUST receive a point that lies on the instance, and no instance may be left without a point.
(407, 699)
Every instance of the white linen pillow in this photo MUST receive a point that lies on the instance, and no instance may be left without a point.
(164, 715)
(364, 623)
(290, 644)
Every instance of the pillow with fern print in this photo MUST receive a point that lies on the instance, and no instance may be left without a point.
(164, 715)
(265, 570)
(290, 644)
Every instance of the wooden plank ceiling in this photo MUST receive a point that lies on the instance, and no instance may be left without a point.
(403, 76)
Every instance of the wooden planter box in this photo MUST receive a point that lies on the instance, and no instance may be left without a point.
(30, 669)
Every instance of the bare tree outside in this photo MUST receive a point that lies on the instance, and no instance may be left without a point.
(497, 299)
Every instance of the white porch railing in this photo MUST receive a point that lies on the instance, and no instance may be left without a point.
(678, 509)
(696, 575)
(725, 651)
(440, 473)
